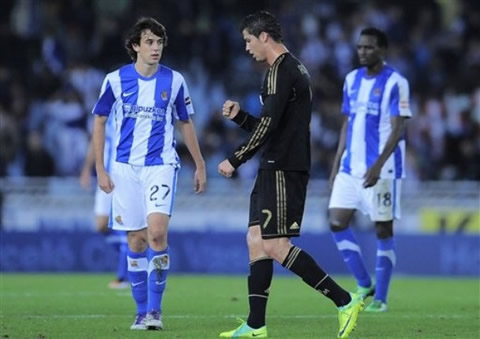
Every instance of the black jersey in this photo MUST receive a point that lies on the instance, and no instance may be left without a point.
(283, 128)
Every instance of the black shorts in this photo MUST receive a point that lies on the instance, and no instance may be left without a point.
(277, 202)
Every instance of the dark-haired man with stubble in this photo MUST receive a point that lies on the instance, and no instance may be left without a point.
(278, 197)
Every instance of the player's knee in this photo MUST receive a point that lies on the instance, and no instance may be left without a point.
(277, 248)
(384, 230)
(157, 241)
(157, 235)
(269, 249)
(254, 238)
(137, 241)
(336, 225)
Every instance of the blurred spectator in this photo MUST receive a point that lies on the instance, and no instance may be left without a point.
(38, 163)
(66, 138)
(9, 141)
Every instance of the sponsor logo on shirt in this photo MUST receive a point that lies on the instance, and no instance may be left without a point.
(372, 108)
(144, 112)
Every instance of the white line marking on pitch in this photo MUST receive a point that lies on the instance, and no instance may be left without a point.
(187, 316)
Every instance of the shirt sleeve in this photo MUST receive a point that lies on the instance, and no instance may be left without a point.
(278, 91)
(183, 104)
(346, 99)
(105, 100)
(246, 121)
(400, 99)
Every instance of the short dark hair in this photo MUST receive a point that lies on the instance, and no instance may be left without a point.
(262, 21)
(135, 34)
(382, 40)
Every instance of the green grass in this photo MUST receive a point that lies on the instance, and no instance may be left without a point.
(81, 306)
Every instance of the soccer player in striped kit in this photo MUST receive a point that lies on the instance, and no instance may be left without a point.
(147, 100)
(370, 162)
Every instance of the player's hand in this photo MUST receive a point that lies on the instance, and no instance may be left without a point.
(104, 182)
(200, 180)
(225, 168)
(85, 179)
(372, 176)
(230, 109)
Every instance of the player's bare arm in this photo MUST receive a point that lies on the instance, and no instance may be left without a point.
(86, 173)
(104, 181)
(398, 128)
(340, 149)
(187, 130)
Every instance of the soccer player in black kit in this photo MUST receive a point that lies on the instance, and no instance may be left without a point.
(278, 198)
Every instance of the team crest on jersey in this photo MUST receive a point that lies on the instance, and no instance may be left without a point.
(118, 219)
(376, 91)
(303, 70)
(127, 108)
(164, 95)
(133, 263)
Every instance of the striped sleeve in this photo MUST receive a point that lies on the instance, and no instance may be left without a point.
(279, 85)
(400, 98)
(246, 121)
(183, 107)
(106, 99)
(346, 99)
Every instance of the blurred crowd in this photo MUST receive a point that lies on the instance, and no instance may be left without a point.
(56, 54)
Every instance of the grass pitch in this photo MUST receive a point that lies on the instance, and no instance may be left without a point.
(81, 306)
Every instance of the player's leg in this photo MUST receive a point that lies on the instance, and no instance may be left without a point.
(344, 201)
(384, 266)
(121, 245)
(385, 202)
(160, 185)
(158, 267)
(137, 275)
(285, 222)
(302, 264)
(259, 279)
(128, 214)
(102, 210)
(282, 199)
(116, 239)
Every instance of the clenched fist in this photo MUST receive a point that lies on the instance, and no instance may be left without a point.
(230, 109)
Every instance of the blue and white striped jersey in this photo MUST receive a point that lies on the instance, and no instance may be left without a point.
(144, 111)
(369, 102)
